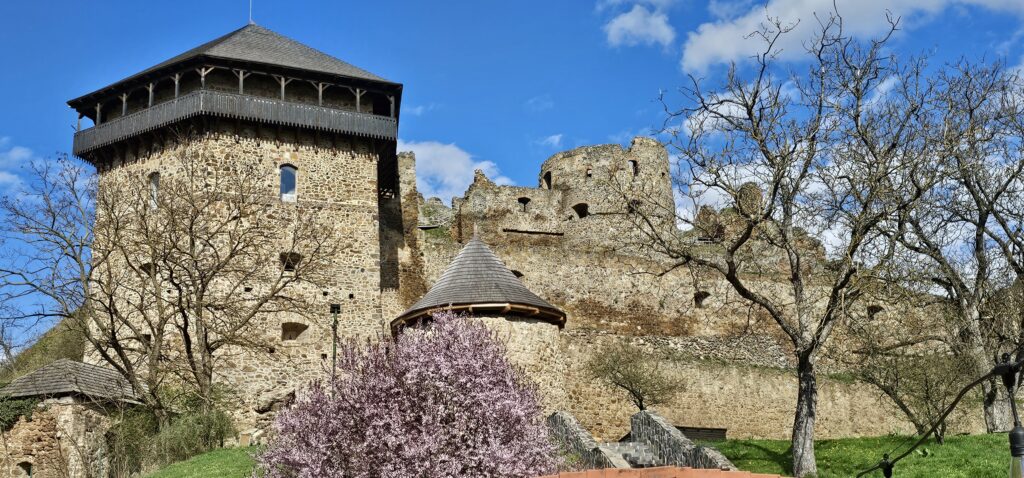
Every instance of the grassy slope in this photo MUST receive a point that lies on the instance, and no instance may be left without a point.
(223, 463)
(61, 341)
(978, 456)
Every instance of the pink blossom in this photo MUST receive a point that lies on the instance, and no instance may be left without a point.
(441, 402)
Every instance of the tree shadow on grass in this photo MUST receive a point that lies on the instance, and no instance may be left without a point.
(762, 453)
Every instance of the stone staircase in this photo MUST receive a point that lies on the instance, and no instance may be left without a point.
(652, 442)
(637, 454)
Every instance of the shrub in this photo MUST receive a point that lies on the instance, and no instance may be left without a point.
(135, 440)
(12, 409)
(435, 403)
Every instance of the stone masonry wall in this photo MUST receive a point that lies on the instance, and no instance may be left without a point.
(734, 362)
(336, 177)
(63, 438)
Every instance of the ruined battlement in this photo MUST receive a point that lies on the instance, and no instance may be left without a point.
(580, 194)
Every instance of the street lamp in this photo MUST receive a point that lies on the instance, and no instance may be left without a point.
(1009, 372)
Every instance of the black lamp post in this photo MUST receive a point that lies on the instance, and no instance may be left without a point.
(1009, 372)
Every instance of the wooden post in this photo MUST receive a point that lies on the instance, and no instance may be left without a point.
(124, 104)
(242, 75)
(177, 84)
(320, 87)
(203, 71)
(150, 88)
(359, 100)
(79, 127)
(99, 111)
(284, 82)
(392, 99)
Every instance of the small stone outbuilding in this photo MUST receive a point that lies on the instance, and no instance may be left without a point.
(65, 434)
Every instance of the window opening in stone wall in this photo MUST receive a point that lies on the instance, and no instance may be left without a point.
(292, 331)
(25, 468)
(547, 180)
(874, 310)
(635, 167)
(590, 173)
(289, 174)
(699, 297)
(633, 206)
(290, 260)
(148, 268)
(154, 190)
(517, 274)
(523, 202)
(582, 210)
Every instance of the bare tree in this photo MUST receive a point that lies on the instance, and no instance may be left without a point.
(635, 372)
(962, 239)
(163, 274)
(804, 166)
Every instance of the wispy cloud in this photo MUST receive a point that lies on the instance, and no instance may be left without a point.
(445, 170)
(12, 159)
(553, 141)
(727, 39)
(419, 110)
(640, 26)
(540, 103)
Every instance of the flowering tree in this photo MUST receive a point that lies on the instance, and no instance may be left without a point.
(432, 403)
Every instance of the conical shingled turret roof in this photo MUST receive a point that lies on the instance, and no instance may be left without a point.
(478, 281)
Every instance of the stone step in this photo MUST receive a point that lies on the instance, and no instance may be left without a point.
(638, 455)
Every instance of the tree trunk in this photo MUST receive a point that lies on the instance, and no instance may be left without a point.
(998, 417)
(804, 463)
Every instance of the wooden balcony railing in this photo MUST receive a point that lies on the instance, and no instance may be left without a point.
(235, 106)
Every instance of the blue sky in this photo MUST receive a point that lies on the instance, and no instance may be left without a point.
(493, 85)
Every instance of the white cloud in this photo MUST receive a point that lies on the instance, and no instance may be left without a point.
(446, 170)
(419, 110)
(640, 26)
(728, 40)
(12, 159)
(540, 103)
(553, 141)
(657, 4)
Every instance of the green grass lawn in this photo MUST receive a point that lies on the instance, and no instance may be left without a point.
(978, 456)
(223, 463)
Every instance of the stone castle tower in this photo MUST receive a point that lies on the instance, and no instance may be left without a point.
(325, 129)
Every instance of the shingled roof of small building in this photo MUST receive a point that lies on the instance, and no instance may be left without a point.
(255, 44)
(67, 377)
(475, 281)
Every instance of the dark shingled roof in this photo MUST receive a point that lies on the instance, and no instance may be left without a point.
(67, 377)
(255, 44)
(478, 278)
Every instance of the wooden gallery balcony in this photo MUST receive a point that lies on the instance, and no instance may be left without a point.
(234, 106)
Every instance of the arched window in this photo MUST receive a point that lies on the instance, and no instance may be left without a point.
(699, 297)
(590, 173)
(547, 180)
(292, 331)
(523, 202)
(290, 260)
(874, 311)
(24, 468)
(582, 210)
(289, 174)
(634, 167)
(154, 190)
